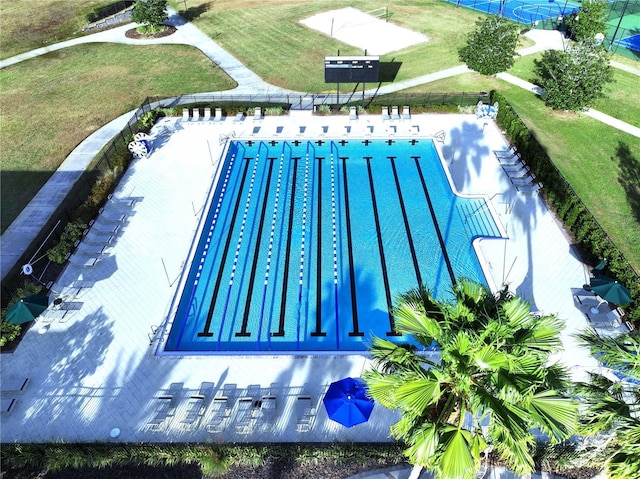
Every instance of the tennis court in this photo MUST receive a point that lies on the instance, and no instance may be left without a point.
(528, 12)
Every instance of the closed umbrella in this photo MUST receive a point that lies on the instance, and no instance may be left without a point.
(27, 309)
(610, 290)
(599, 268)
(346, 402)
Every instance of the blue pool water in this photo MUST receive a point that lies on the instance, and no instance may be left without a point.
(306, 244)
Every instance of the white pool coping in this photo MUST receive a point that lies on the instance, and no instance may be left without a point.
(97, 370)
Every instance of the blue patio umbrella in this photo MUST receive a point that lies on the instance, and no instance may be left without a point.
(27, 309)
(346, 402)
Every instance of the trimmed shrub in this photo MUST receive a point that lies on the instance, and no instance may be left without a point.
(559, 195)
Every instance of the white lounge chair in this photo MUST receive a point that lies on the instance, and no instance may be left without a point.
(185, 113)
(220, 415)
(7, 404)
(195, 410)
(353, 113)
(218, 115)
(12, 384)
(207, 114)
(385, 113)
(257, 113)
(305, 413)
(394, 113)
(244, 421)
(406, 113)
(196, 114)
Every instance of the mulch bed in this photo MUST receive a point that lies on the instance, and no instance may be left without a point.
(133, 33)
(272, 469)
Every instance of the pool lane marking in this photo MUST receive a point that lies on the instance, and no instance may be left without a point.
(207, 244)
(302, 245)
(352, 275)
(392, 327)
(318, 331)
(283, 300)
(435, 222)
(335, 248)
(243, 225)
(216, 289)
(256, 254)
(407, 228)
(274, 218)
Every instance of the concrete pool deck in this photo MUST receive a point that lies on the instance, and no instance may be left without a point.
(96, 370)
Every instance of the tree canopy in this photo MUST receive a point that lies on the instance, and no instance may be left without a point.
(150, 13)
(488, 384)
(491, 47)
(586, 23)
(572, 79)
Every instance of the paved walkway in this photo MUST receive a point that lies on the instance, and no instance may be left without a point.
(25, 228)
(90, 373)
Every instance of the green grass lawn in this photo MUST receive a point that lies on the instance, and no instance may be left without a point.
(601, 163)
(622, 99)
(51, 103)
(29, 24)
(88, 86)
(267, 36)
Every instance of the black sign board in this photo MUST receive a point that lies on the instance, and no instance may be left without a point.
(351, 69)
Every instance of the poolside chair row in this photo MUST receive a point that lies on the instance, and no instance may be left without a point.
(253, 410)
(395, 114)
(194, 115)
(102, 233)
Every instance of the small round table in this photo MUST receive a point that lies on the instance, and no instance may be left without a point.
(115, 432)
(595, 310)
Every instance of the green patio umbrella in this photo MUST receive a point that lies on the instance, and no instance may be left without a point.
(27, 309)
(599, 268)
(610, 290)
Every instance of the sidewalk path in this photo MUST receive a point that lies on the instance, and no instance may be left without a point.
(25, 228)
(595, 114)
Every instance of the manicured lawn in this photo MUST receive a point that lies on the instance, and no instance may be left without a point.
(88, 86)
(622, 97)
(601, 163)
(266, 36)
(29, 24)
(51, 103)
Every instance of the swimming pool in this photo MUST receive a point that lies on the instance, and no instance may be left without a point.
(306, 244)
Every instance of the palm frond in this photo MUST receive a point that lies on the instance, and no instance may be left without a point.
(381, 387)
(412, 319)
(515, 451)
(423, 446)
(457, 461)
(488, 357)
(389, 357)
(418, 394)
(554, 415)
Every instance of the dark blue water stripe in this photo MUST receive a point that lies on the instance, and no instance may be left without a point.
(254, 264)
(285, 280)
(352, 276)
(385, 278)
(407, 228)
(207, 324)
(435, 222)
(318, 331)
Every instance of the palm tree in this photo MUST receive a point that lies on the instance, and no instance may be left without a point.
(611, 408)
(489, 384)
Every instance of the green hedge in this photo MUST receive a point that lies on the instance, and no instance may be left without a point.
(213, 459)
(560, 196)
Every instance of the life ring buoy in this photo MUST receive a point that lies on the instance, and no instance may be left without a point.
(27, 269)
